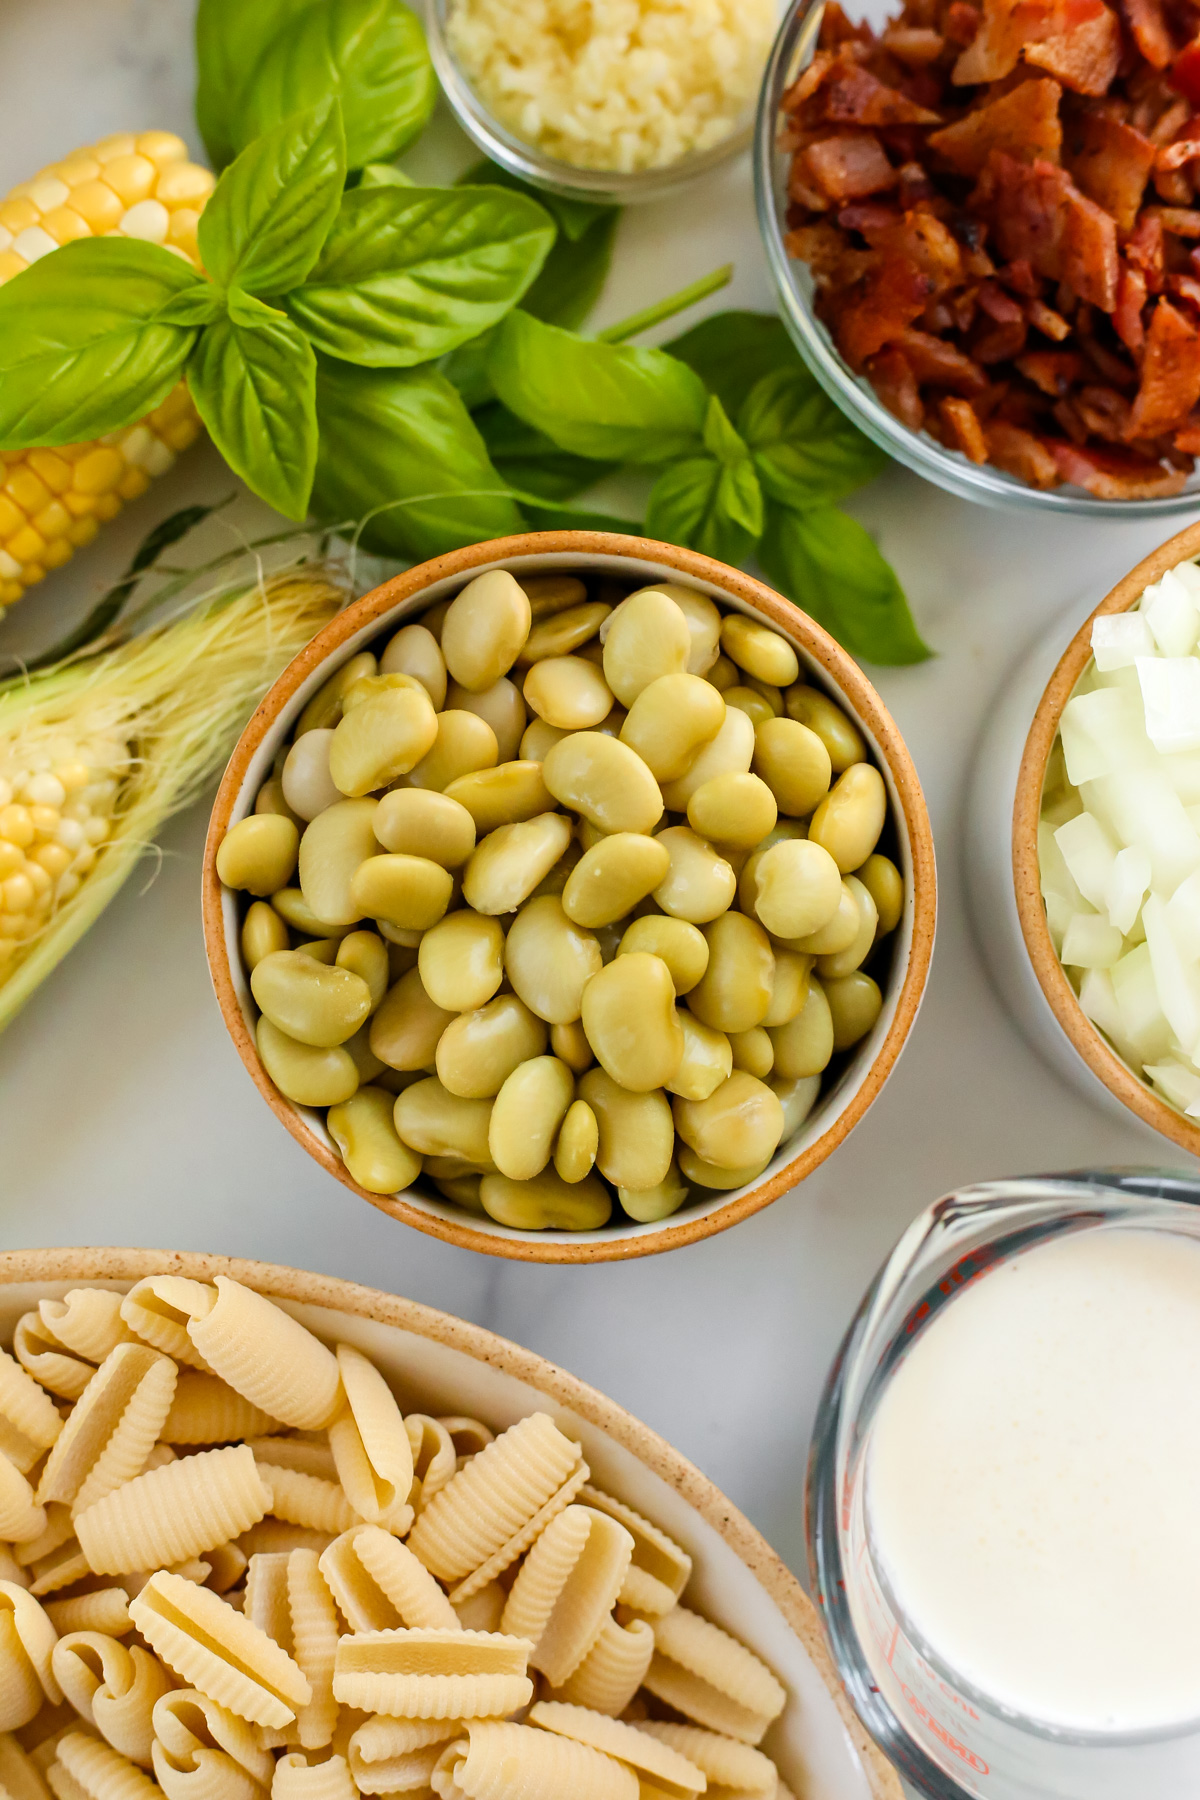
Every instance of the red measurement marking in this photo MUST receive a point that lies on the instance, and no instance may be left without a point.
(939, 1731)
(967, 1270)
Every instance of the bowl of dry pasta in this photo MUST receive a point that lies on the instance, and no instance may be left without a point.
(570, 897)
(266, 1533)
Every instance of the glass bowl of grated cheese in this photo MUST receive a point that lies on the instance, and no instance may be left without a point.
(612, 101)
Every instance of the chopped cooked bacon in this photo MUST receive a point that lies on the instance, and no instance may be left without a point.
(1171, 122)
(1020, 453)
(1131, 299)
(1145, 249)
(809, 81)
(1008, 25)
(1115, 474)
(893, 379)
(1147, 22)
(821, 246)
(1170, 384)
(837, 29)
(1085, 57)
(1188, 440)
(1180, 221)
(1043, 318)
(1183, 151)
(1053, 371)
(847, 166)
(914, 44)
(940, 364)
(1024, 123)
(1185, 72)
(851, 95)
(1020, 277)
(1173, 187)
(1038, 213)
(878, 307)
(961, 429)
(1185, 287)
(1110, 162)
(961, 23)
(1104, 412)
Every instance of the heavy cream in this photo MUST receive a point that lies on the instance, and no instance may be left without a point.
(1033, 1483)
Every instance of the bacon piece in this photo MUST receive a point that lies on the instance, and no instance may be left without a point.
(1183, 151)
(1180, 221)
(1053, 371)
(821, 246)
(940, 364)
(1185, 72)
(847, 166)
(837, 29)
(1145, 250)
(851, 95)
(1068, 416)
(1188, 440)
(1038, 213)
(1105, 413)
(892, 378)
(1115, 474)
(1170, 123)
(961, 23)
(961, 429)
(1185, 287)
(1110, 162)
(1170, 384)
(1024, 123)
(1151, 33)
(878, 307)
(1131, 298)
(914, 44)
(1043, 318)
(810, 80)
(1173, 187)
(1020, 453)
(1085, 57)
(1008, 25)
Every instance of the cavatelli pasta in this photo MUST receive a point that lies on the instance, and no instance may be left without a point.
(726, 1762)
(380, 1585)
(227, 1565)
(96, 1771)
(20, 1777)
(29, 1420)
(41, 1355)
(315, 1630)
(113, 1687)
(708, 1676)
(173, 1512)
(27, 1640)
(469, 1436)
(307, 1499)
(613, 1669)
(105, 1609)
(435, 1459)
(59, 1529)
(87, 1321)
(212, 1647)
(394, 1756)
(566, 1588)
(10, 1568)
(659, 1571)
(21, 1518)
(521, 1540)
(370, 1445)
(499, 1760)
(669, 1772)
(432, 1674)
(266, 1602)
(159, 1309)
(202, 1751)
(265, 1354)
(206, 1410)
(112, 1429)
(298, 1779)
(275, 1534)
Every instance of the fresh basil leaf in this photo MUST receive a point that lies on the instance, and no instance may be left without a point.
(467, 368)
(709, 506)
(574, 275)
(400, 450)
(254, 389)
(731, 351)
(192, 306)
(720, 438)
(827, 563)
(385, 175)
(545, 515)
(408, 274)
(370, 53)
(528, 459)
(574, 218)
(272, 209)
(231, 36)
(805, 450)
(81, 349)
(606, 401)
(250, 311)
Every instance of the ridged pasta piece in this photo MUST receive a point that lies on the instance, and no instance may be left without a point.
(41, 1355)
(61, 1569)
(307, 1500)
(521, 1540)
(113, 1687)
(708, 1676)
(27, 1640)
(296, 1453)
(105, 1609)
(393, 1756)
(298, 1779)
(212, 1647)
(435, 1460)
(566, 1589)
(60, 1527)
(112, 1429)
(275, 1534)
(29, 1420)
(97, 1771)
(667, 1769)
(227, 1565)
(266, 1603)
(469, 1436)
(497, 1493)
(86, 1321)
(611, 1673)
(10, 1568)
(315, 1632)
(726, 1762)
(206, 1410)
(432, 1674)
(370, 1445)
(500, 1761)
(660, 1569)
(21, 1518)
(482, 1610)
(174, 1512)
(159, 1309)
(202, 1751)
(158, 1457)
(20, 1777)
(265, 1354)
(380, 1585)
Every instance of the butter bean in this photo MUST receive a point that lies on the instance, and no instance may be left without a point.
(451, 1168)
(789, 990)
(569, 1043)
(272, 799)
(748, 701)
(734, 809)
(648, 1205)
(631, 1023)
(484, 629)
(740, 1123)
(295, 911)
(794, 763)
(461, 960)
(550, 961)
(568, 692)
(759, 650)
(734, 993)
(324, 950)
(699, 885)
(334, 846)
(797, 888)
(707, 1059)
(463, 1190)
(610, 879)
(613, 721)
(479, 1050)
(637, 1135)
(855, 1002)
(364, 1131)
(547, 1203)
(841, 738)
(838, 933)
(502, 796)
(529, 1109)
(730, 753)
(407, 1026)
(703, 1174)
(604, 780)
(433, 619)
(885, 884)
(435, 1122)
(506, 867)
(369, 1066)
(303, 1074)
(382, 739)
(724, 674)
(848, 822)
(372, 687)
(797, 1095)
(771, 695)
(671, 721)
(415, 651)
(577, 1142)
(365, 954)
(409, 891)
(538, 739)
(557, 878)
(681, 946)
(844, 962)
(308, 787)
(394, 935)
(753, 1052)
(259, 854)
(422, 822)
(463, 743)
(560, 633)
(550, 594)
(325, 708)
(647, 636)
(499, 706)
(704, 623)
(263, 933)
(804, 1045)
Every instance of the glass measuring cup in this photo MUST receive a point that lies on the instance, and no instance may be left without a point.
(946, 1737)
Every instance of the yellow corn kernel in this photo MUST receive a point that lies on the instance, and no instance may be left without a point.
(133, 483)
(27, 489)
(10, 591)
(27, 546)
(64, 224)
(11, 264)
(11, 518)
(53, 468)
(46, 191)
(80, 506)
(131, 178)
(184, 184)
(16, 825)
(107, 506)
(181, 232)
(148, 220)
(77, 168)
(53, 521)
(96, 202)
(32, 573)
(82, 532)
(58, 551)
(162, 147)
(16, 215)
(98, 471)
(121, 143)
(183, 433)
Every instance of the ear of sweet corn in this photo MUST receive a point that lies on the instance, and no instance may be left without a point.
(54, 501)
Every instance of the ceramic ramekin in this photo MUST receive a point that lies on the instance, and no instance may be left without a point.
(638, 561)
(1002, 876)
(449, 1366)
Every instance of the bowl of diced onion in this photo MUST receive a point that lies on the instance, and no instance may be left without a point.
(1084, 847)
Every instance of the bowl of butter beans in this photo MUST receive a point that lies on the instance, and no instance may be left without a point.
(570, 897)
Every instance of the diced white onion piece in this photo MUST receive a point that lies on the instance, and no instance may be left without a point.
(1089, 854)
(1170, 611)
(1189, 574)
(1090, 942)
(1103, 733)
(1098, 999)
(1171, 698)
(1180, 1084)
(1127, 886)
(1118, 639)
(1182, 770)
(1143, 1022)
(1143, 809)
(1176, 980)
(1183, 914)
(1056, 879)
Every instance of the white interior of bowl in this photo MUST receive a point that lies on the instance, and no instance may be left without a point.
(809, 1742)
(830, 1106)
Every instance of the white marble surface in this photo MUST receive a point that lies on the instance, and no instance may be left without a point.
(126, 1117)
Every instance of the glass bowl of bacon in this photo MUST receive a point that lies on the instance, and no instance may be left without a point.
(983, 223)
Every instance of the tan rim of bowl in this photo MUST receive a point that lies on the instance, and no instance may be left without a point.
(523, 1365)
(868, 708)
(1095, 1050)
